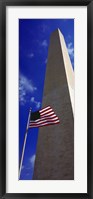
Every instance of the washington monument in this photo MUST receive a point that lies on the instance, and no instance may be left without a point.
(55, 147)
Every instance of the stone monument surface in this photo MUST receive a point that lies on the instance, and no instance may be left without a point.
(55, 147)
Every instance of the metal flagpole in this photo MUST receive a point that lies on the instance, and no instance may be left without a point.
(24, 144)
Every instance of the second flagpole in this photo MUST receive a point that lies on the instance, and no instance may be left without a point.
(24, 144)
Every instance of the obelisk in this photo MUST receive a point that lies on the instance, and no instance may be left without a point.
(55, 147)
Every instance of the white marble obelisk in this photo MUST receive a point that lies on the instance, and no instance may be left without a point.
(55, 147)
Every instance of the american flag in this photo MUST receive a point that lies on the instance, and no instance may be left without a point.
(43, 117)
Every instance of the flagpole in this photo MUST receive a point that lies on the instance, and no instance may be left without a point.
(24, 144)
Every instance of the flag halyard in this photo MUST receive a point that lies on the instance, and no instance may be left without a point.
(44, 117)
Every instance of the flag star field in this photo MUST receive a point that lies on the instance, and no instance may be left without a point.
(34, 38)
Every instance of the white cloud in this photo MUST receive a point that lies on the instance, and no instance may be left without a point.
(38, 104)
(69, 45)
(70, 49)
(31, 55)
(44, 43)
(32, 160)
(22, 94)
(25, 86)
(45, 61)
(32, 99)
(69, 37)
(27, 174)
(44, 28)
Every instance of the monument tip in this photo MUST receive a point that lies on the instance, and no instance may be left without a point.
(59, 31)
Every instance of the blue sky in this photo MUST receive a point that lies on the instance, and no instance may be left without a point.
(34, 37)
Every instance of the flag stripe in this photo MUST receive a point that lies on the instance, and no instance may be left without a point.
(50, 113)
(44, 124)
(49, 117)
(44, 120)
(47, 111)
(44, 109)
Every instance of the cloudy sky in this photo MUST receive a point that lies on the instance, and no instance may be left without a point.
(34, 37)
